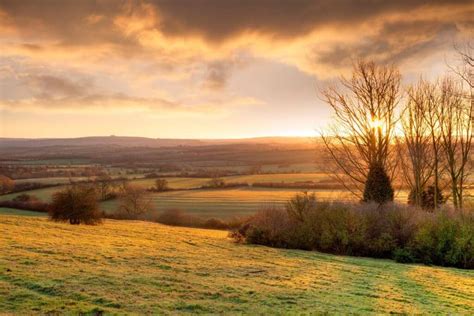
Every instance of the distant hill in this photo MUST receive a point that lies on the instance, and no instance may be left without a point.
(128, 141)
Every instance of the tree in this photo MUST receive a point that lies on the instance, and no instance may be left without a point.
(6, 184)
(104, 186)
(415, 148)
(378, 187)
(364, 123)
(456, 124)
(134, 200)
(161, 185)
(76, 204)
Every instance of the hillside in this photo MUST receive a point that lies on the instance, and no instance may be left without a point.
(138, 267)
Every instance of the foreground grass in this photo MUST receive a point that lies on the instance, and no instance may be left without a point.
(138, 267)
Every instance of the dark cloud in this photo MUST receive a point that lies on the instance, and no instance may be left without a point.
(73, 21)
(395, 42)
(218, 20)
(124, 30)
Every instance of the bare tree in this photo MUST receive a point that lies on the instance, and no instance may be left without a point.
(364, 123)
(415, 149)
(134, 200)
(464, 67)
(456, 124)
(104, 186)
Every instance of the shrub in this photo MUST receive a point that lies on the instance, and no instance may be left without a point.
(214, 223)
(403, 255)
(26, 202)
(446, 240)
(25, 198)
(215, 183)
(404, 233)
(268, 227)
(378, 187)
(428, 198)
(76, 204)
(6, 184)
(176, 217)
(301, 205)
(161, 185)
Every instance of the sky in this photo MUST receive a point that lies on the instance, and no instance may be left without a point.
(204, 68)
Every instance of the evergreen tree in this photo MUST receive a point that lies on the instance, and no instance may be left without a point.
(378, 187)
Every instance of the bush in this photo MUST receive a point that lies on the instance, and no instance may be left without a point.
(161, 185)
(6, 184)
(25, 198)
(215, 183)
(301, 205)
(446, 240)
(428, 198)
(269, 227)
(176, 217)
(378, 187)
(76, 204)
(26, 202)
(403, 255)
(214, 223)
(404, 233)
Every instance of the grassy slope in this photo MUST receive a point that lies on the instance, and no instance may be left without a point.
(137, 267)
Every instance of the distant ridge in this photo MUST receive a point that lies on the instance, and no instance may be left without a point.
(132, 141)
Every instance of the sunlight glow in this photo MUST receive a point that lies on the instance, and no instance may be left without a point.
(375, 123)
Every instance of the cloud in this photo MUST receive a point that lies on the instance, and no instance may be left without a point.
(55, 93)
(117, 54)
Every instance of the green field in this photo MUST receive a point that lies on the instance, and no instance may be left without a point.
(225, 203)
(44, 194)
(13, 211)
(220, 203)
(126, 267)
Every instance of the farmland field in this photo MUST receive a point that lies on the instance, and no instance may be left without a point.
(145, 268)
(222, 203)
(225, 203)
(12, 211)
(43, 194)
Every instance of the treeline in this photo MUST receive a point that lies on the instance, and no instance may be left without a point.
(420, 135)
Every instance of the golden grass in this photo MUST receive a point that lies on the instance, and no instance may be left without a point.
(139, 268)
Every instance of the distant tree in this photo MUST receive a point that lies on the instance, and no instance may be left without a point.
(104, 185)
(6, 184)
(134, 200)
(216, 182)
(76, 204)
(161, 185)
(364, 124)
(378, 187)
